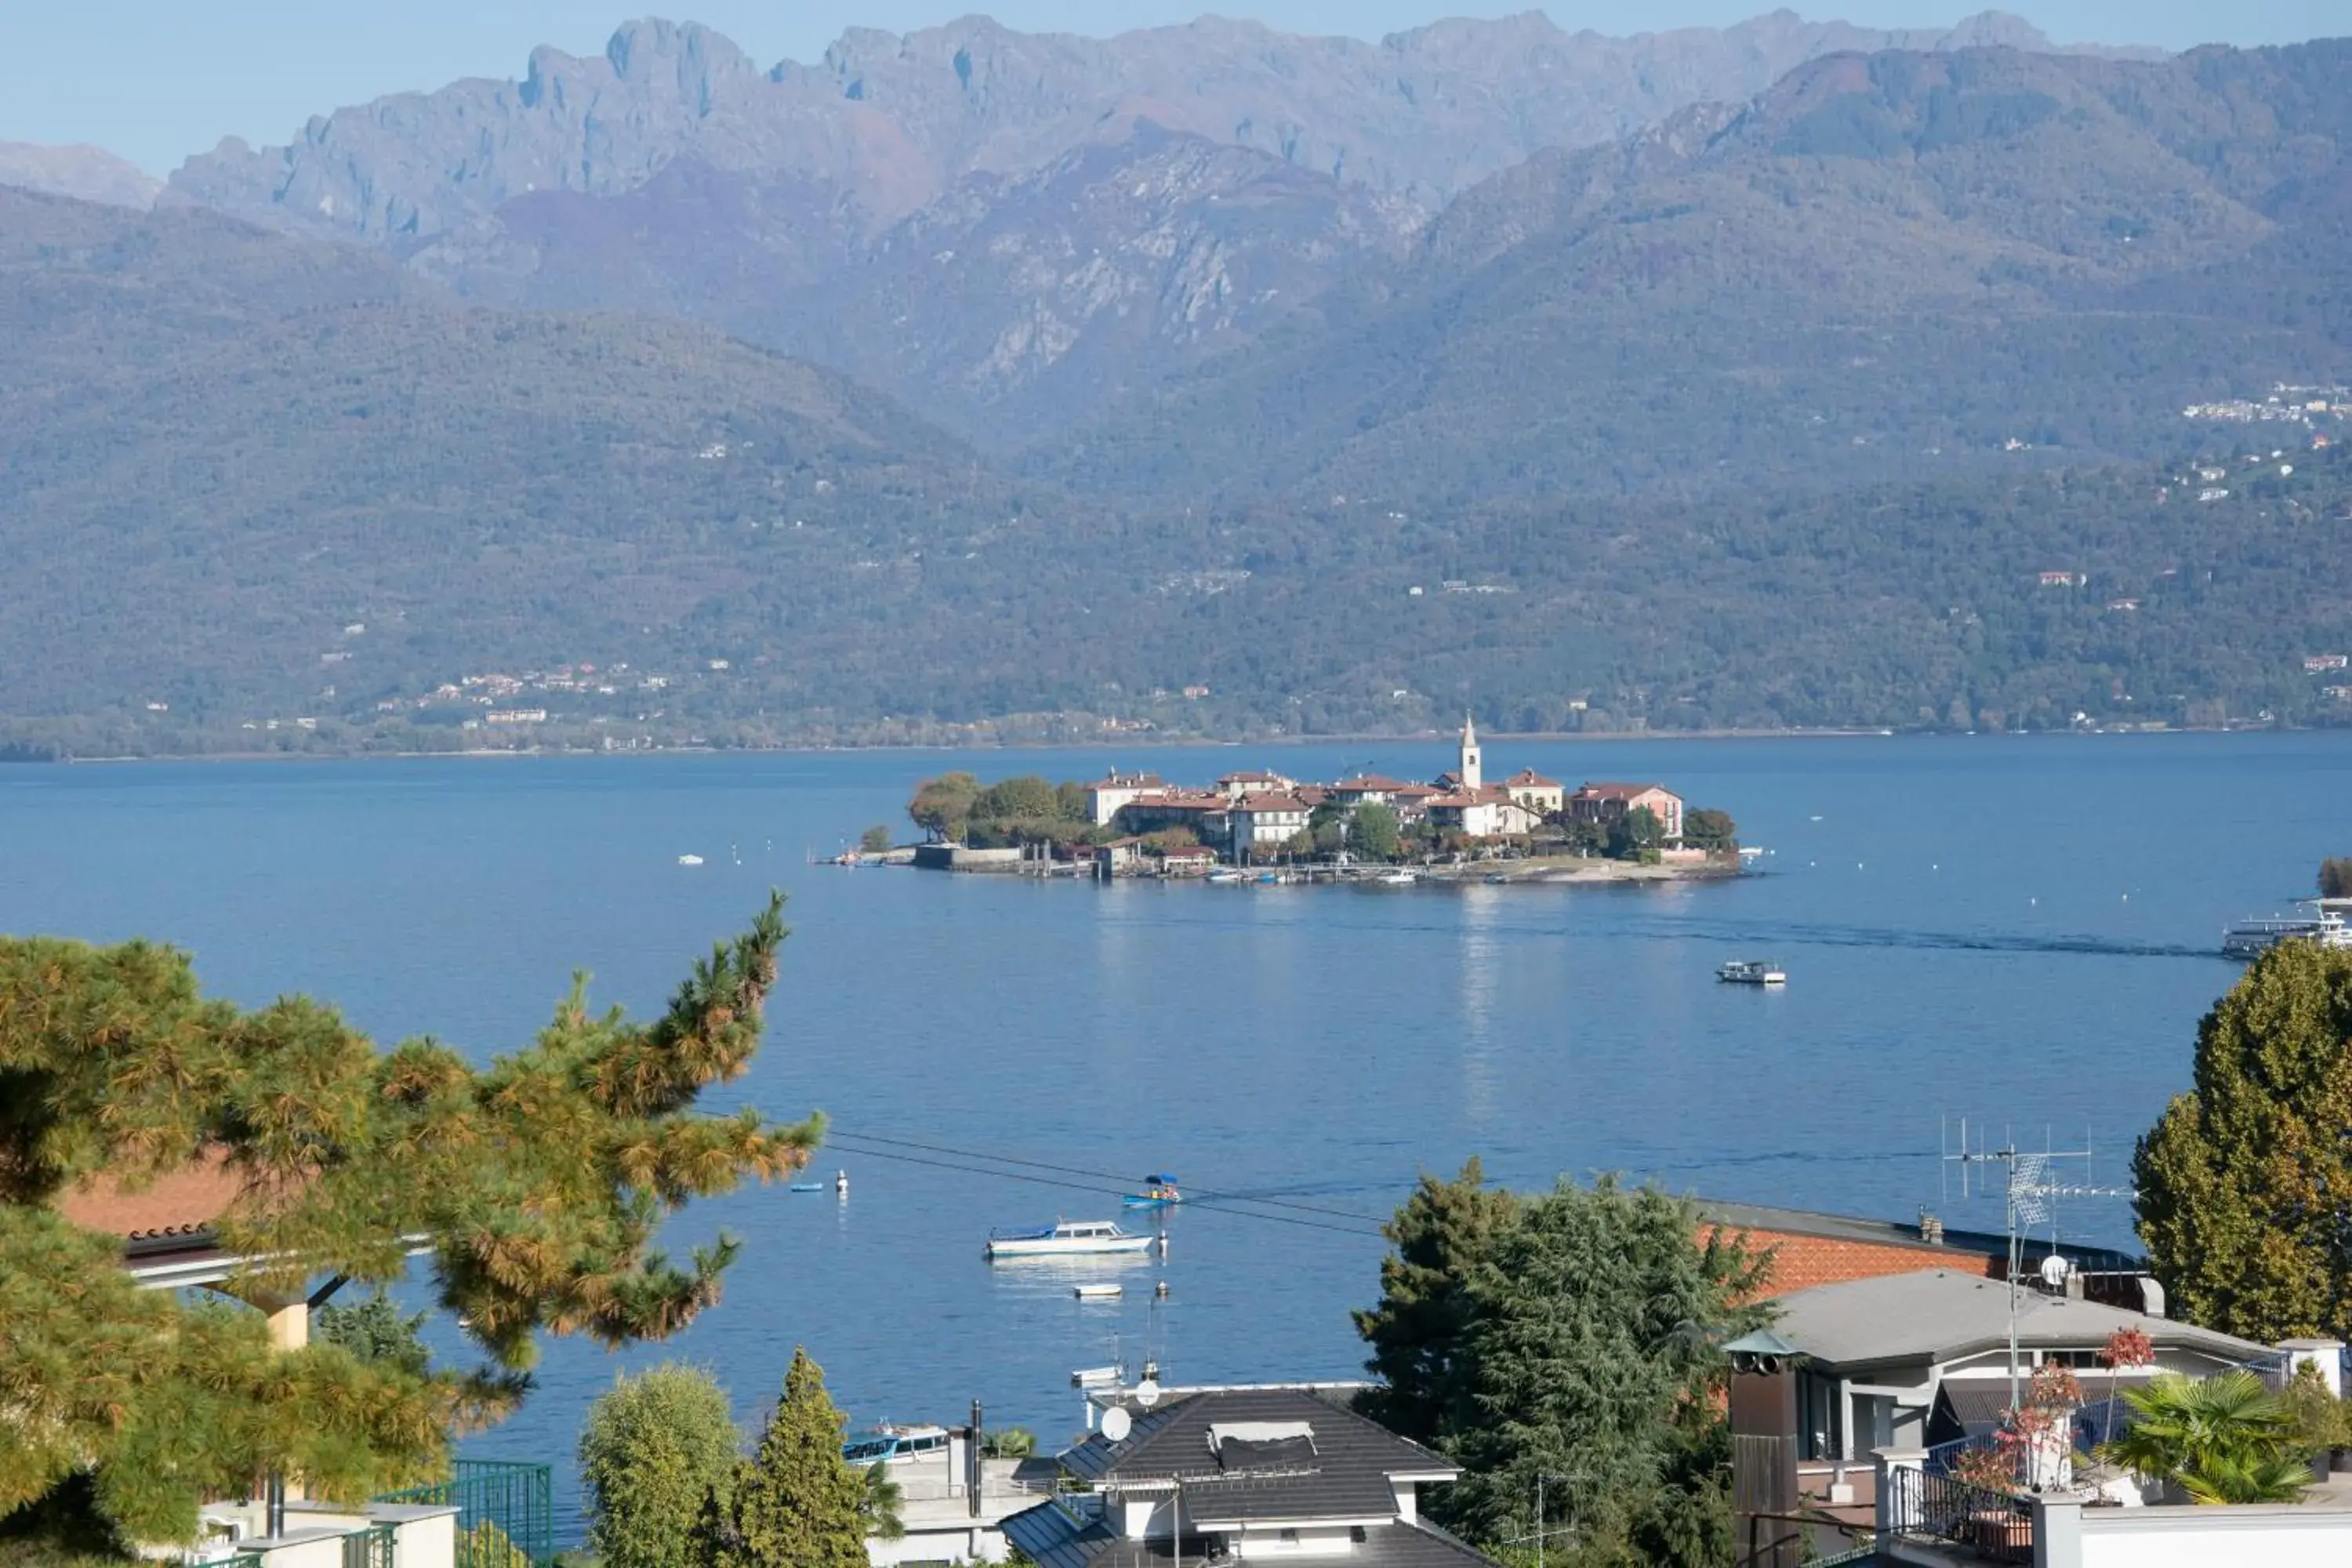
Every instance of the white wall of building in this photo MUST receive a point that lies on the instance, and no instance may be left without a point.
(2287, 1536)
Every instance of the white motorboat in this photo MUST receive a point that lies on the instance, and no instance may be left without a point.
(1395, 879)
(1752, 972)
(894, 1445)
(2324, 927)
(1097, 1292)
(689, 859)
(1066, 1238)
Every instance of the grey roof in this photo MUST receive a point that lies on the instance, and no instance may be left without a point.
(1894, 1233)
(1937, 1315)
(1051, 1538)
(1343, 1474)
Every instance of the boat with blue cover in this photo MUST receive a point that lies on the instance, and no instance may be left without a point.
(1159, 1193)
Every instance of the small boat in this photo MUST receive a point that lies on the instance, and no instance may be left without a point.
(1159, 1193)
(689, 859)
(1225, 878)
(1065, 1239)
(894, 1445)
(808, 1186)
(1395, 879)
(1097, 1292)
(2323, 928)
(1752, 972)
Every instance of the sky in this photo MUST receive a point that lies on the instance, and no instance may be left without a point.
(154, 80)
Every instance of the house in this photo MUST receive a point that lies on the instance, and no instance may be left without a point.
(1606, 804)
(2313, 663)
(1233, 786)
(1106, 795)
(1878, 1353)
(1266, 821)
(1486, 812)
(1543, 796)
(1364, 789)
(1190, 861)
(1238, 1475)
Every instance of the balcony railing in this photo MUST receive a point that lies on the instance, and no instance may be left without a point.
(1995, 1526)
(506, 1515)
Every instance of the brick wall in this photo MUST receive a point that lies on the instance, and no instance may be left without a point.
(1801, 1262)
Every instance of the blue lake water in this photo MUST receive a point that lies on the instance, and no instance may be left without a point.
(2018, 930)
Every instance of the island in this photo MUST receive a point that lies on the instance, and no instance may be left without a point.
(1265, 824)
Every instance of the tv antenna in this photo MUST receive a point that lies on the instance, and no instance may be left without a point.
(2030, 1194)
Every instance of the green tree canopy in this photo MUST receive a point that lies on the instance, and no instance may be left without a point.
(1637, 830)
(1570, 1335)
(1025, 797)
(875, 839)
(374, 1329)
(1372, 832)
(797, 1504)
(942, 805)
(654, 1446)
(538, 1182)
(2243, 1184)
(1420, 1332)
(1709, 829)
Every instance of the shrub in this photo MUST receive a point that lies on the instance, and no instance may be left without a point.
(653, 1446)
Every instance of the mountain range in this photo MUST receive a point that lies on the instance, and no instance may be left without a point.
(1205, 378)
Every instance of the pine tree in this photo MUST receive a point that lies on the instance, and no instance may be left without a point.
(2243, 1184)
(539, 1180)
(1419, 1331)
(798, 1503)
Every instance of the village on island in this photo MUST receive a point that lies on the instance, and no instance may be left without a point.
(1268, 826)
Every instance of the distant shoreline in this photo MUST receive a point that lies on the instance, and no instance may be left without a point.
(1137, 742)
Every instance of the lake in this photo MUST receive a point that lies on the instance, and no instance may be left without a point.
(2019, 930)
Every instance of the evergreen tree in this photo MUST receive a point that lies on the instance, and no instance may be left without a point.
(375, 1329)
(540, 1180)
(2243, 1183)
(1576, 1345)
(652, 1448)
(798, 1504)
(1419, 1332)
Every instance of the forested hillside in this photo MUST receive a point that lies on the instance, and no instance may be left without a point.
(1887, 267)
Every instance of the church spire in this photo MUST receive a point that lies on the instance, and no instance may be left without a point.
(1468, 770)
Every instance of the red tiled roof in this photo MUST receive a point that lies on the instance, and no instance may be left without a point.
(1252, 778)
(1128, 781)
(1533, 780)
(1368, 782)
(1620, 791)
(1271, 803)
(1189, 852)
(186, 1202)
(1417, 791)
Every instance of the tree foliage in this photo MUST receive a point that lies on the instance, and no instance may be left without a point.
(1373, 832)
(2221, 1439)
(539, 1181)
(1419, 1332)
(942, 805)
(1570, 1335)
(653, 1446)
(1705, 828)
(2241, 1184)
(374, 1329)
(797, 1503)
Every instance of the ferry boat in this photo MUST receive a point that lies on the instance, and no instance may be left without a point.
(1065, 1239)
(1752, 972)
(893, 1445)
(2324, 927)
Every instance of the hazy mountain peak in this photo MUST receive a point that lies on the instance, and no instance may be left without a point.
(84, 173)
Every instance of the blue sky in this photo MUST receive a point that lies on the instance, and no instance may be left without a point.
(157, 80)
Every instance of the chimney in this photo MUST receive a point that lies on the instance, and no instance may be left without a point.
(1931, 1228)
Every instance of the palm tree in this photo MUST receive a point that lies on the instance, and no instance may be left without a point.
(2222, 1439)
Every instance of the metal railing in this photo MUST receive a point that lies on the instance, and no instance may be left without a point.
(506, 1512)
(1995, 1526)
(370, 1547)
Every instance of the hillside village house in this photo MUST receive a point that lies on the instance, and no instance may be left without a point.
(1256, 812)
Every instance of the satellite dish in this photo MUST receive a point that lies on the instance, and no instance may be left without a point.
(1147, 1394)
(2053, 1270)
(1118, 1423)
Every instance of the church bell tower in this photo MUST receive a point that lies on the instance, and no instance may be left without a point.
(1469, 770)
